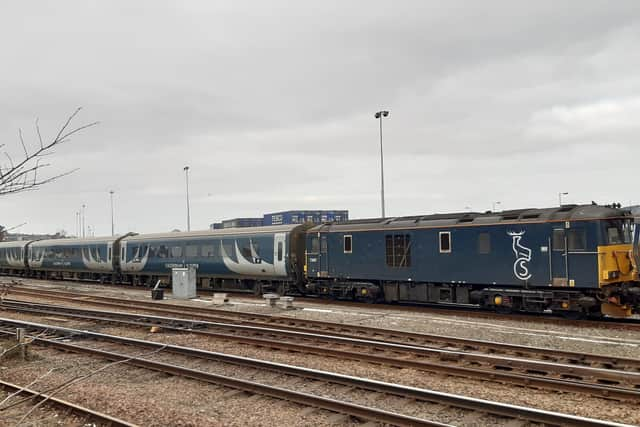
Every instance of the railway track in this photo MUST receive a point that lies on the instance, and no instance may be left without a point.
(34, 397)
(607, 383)
(632, 324)
(346, 330)
(480, 411)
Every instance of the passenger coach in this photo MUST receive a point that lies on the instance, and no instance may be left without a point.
(12, 257)
(90, 259)
(256, 258)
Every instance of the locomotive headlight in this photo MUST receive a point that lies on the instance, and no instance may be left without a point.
(497, 300)
(364, 291)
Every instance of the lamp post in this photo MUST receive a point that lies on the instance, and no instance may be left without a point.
(494, 206)
(77, 223)
(186, 174)
(113, 233)
(560, 197)
(83, 230)
(379, 115)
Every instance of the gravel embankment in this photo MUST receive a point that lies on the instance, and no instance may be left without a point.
(150, 398)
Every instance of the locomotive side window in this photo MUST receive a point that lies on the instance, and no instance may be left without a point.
(445, 242)
(398, 250)
(315, 245)
(279, 251)
(558, 239)
(577, 240)
(347, 244)
(484, 243)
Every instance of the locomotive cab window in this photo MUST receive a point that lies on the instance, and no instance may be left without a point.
(347, 244)
(577, 240)
(445, 242)
(613, 236)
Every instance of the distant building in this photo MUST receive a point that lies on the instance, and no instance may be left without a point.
(300, 217)
(286, 217)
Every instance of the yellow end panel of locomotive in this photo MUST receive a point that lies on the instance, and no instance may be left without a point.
(614, 264)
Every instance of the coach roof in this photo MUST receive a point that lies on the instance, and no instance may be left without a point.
(214, 233)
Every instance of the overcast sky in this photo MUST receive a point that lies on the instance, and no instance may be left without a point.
(271, 105)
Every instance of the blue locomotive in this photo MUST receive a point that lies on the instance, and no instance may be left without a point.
(574, 260)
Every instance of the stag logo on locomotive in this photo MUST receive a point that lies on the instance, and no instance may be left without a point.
(523, 256)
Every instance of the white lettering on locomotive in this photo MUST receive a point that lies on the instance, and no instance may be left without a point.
(523, 256)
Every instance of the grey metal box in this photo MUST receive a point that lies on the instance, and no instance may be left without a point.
(183, 282)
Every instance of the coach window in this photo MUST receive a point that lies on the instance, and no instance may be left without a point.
(347, 244)
(176, 251)
(445, 242)
(279, 251)
(207, 251)
(484, 243)
(245, 249)
(558, 239)
(577, 240)
(191, 251)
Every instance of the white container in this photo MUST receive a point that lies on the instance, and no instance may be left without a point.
(183, 282)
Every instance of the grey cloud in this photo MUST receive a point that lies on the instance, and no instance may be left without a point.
(271, 105)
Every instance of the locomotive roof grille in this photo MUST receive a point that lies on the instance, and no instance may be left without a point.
(555, 214)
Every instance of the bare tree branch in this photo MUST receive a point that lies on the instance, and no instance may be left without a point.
(24, 175)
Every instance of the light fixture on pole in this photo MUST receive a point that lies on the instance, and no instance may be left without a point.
(83, 229)
(113, 233)
(560, 197)
(494, 206)
(186, 174)
(77, 223)
(379, 115)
